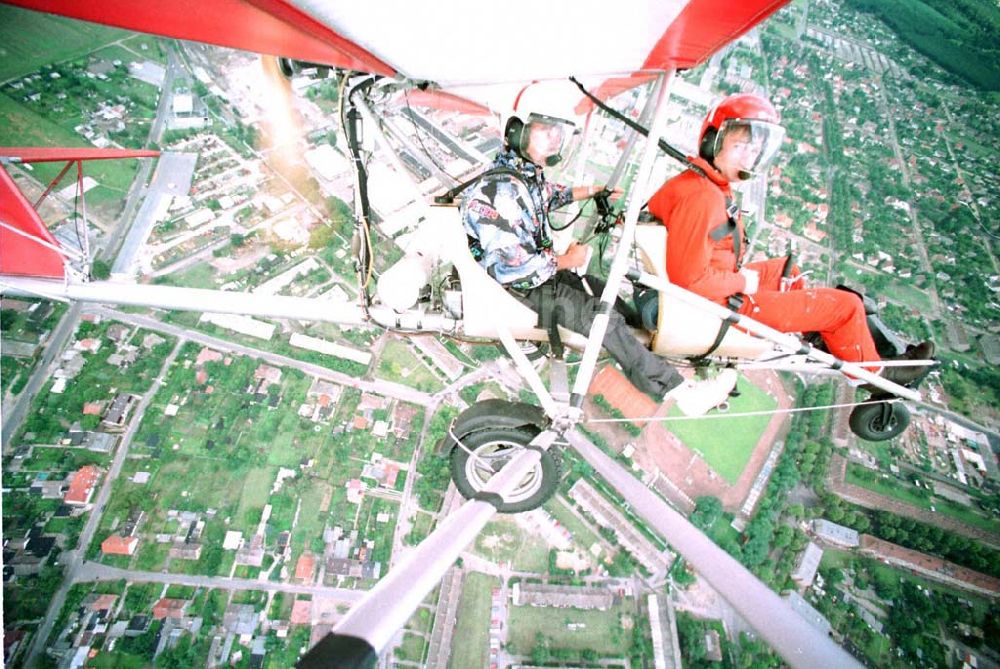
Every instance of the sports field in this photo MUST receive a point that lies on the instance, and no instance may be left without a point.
(726, 443)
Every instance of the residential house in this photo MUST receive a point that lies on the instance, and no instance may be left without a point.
(117, 414)
(305, 567)
(119, 545)
(168, 607)
(81, 486)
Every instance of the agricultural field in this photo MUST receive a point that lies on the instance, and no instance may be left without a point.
(30, 40)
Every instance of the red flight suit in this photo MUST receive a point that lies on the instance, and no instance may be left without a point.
(692, 206)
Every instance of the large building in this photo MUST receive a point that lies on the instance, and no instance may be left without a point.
(834, 534)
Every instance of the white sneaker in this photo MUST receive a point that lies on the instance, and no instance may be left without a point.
(696, 398)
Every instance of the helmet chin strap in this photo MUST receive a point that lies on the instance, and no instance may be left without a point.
(744, 175)
(553, 160)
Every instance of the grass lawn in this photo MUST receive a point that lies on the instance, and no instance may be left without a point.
(421, 620)
(582, 536)
(413, 648)
(256, 489)
(148, 48)
(32, 39)
(473, 623)
(201, 275)
(20, 126)
(910, 295)
(504, 541)
(398, 363)
(908, 494)
(727, 443)
(603, 630)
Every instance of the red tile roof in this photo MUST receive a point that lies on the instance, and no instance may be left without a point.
(167, 607)
(305, 567)
(118, 545)
(82, 485)
(92, 409)
(207, 355)
(103, 602)
(301, 612)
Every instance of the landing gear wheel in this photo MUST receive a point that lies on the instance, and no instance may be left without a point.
(879, 421)
(533, 350)
(490, 450)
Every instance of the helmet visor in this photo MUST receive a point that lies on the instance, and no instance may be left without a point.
(549, 138)
(755, 142)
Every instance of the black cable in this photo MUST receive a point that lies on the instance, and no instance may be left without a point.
(670, 150)
(419, 131)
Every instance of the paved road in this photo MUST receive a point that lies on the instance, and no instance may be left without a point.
(137, 191)
(387, 388)
(92, 571)
(74, 558)
(14, 415)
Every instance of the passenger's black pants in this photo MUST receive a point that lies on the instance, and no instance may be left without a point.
(565, 298)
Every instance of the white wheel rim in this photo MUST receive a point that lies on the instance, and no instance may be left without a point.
(489, 458)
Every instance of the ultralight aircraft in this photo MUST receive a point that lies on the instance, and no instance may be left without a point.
(477, 59)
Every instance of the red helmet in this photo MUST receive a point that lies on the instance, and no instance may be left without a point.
(746, 111)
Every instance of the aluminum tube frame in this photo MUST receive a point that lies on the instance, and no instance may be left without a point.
(372, 125)
(387, 606)
(189, 299)
(798, 642)
(783, 339)
(633, 137)
(619, 265)
(528, 372)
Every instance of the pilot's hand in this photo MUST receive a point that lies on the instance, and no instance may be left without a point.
(752, 278)
(613, 193)
(575, 256)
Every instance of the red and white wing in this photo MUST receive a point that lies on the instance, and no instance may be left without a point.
(475, 55)
(454, 44)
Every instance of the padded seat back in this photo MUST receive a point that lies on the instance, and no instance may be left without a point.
(683, 329)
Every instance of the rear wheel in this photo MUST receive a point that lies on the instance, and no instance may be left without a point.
(482, 454)
(533, 350)
(879, 421)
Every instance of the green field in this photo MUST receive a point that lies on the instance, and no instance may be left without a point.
(471, 638)
(229, 446)
(20, 126)
(603, 632)
(399, 363)
(504, 541)
(582, 536)
(908, 494)
(29, 40)
(726, 443)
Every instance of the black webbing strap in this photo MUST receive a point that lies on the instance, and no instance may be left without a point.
(729, 227)
(735, 302)
(448, 197)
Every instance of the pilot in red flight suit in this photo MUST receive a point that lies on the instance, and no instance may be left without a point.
(739, 139)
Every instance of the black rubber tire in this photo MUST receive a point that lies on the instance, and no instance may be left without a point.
(471, 475)
(868, 422)
(533, 350)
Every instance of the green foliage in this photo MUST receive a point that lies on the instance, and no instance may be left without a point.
(959, 35)
(707, 510)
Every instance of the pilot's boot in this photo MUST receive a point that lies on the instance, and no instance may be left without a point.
(906, 376)
(696, 398)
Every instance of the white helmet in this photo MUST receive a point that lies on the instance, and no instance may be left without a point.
(543, 124)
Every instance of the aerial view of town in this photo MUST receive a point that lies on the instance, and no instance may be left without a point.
(184, 488)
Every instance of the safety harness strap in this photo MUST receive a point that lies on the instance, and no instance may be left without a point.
(735, 302)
